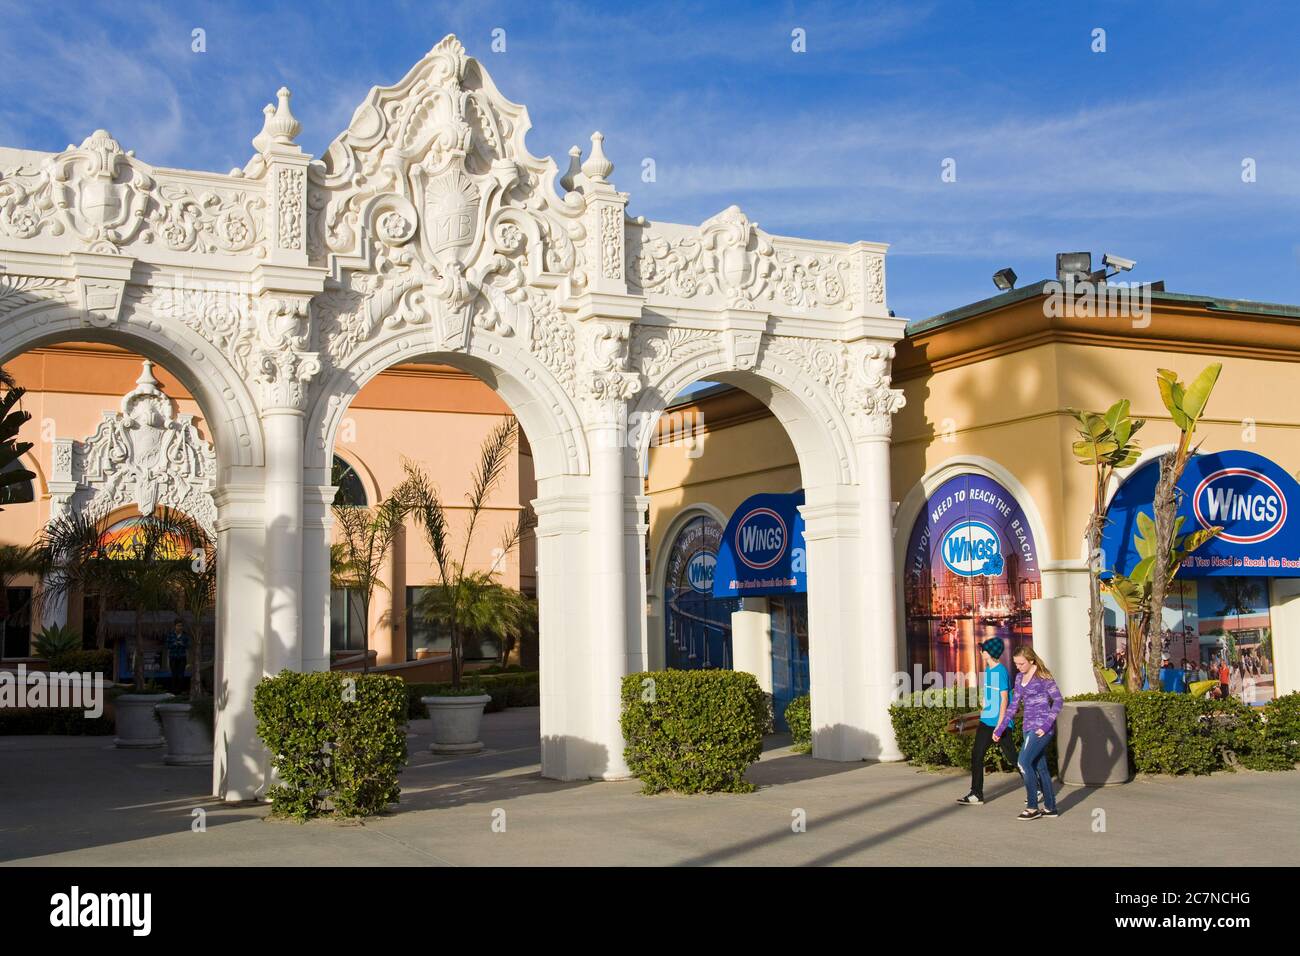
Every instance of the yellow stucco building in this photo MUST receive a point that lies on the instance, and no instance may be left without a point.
(989, 390)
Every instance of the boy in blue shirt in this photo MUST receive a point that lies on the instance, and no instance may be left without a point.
(996, 690)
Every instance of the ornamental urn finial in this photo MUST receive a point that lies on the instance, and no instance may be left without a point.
(597, 168)
(279, 126)
(568, 182)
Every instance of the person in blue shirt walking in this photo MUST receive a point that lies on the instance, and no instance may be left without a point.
(995, 688)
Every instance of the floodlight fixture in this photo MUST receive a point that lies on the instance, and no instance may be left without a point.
(1073, 265)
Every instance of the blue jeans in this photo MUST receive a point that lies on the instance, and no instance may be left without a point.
(1033, 764)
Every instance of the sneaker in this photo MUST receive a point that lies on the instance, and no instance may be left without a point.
(1029, 814)
(971, 800)
(1048, 814)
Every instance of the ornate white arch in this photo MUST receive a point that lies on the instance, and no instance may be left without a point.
(37, 311)
(546, 412)
(276, 290)
(827, 394)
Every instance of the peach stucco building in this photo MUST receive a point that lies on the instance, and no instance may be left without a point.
(433, 415)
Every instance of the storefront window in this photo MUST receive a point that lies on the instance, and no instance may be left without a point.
(17, 636)
(971, 573)
(697, 625)
(788, 615)
(1211, 626)
(347, 621)
(351, 491)
(420, 634)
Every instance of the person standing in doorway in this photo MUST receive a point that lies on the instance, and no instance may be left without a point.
(178, 645)
(996, 689)
(1036, 689)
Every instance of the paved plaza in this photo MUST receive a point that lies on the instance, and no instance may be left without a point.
(78, 801)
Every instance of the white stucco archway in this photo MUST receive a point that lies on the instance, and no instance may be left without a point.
(274, 292)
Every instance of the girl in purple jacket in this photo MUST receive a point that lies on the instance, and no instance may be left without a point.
(1035, 687)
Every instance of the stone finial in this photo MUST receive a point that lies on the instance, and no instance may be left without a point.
(262, 141)
(597, 167)
(279, 126)
(146, 379)
(568, 182)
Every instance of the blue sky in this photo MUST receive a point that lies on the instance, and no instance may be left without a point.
(1136, 151)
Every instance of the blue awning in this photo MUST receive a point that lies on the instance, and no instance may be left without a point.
(762, 549)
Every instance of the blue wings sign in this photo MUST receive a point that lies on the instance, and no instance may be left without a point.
(762, 550)
(1252, 498)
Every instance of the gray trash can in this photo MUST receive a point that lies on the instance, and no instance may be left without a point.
(1092, 744)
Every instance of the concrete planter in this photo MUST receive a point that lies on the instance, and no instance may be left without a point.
(1092, 744)
(137, 725)
(456, 722)
(189, 741)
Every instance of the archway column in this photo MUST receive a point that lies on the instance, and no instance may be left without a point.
(240, 764)
(851, 621)
(316, 524)
(614, 631)
(284, 539)
(570, 750)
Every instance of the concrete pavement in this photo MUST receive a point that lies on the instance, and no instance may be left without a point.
(77, 801)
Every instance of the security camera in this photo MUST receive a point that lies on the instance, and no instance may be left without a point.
(1117, 263)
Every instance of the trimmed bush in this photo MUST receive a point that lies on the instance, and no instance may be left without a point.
(83, 662)
(337, 740)
(920, 726)
(69, 721)
(798, 716)
(1176, 733)
(693, 731)
(1281, 732)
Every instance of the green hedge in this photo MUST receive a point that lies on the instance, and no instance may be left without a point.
(69, 721)
(920, 728)
(338, 741)
(798, 717)
(1280, 746)
(83, 662)
(508, 689)
(693, 731)
(1167, 733)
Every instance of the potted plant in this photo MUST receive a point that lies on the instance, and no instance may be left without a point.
(138, 569)
(187, 722)
(464, 601)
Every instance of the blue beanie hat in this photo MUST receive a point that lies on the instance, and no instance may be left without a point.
(994, 646)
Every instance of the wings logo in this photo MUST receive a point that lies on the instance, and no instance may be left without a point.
(761, 538)
(1248, 505)
(972, 548)
(699, 571)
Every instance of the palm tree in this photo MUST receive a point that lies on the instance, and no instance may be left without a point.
(197, 592)
(143, 571)
(459, 599)
(486, 609)
(357, 560)
(11, 450)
